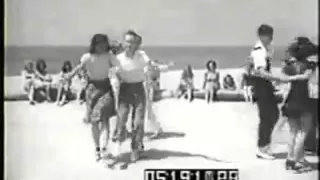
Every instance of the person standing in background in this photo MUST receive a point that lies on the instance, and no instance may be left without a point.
(151, 88)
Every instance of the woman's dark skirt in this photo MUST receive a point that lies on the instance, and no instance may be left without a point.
(99, 100)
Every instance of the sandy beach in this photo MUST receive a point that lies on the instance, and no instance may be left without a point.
(51, 143)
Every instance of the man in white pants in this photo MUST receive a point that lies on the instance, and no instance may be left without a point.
(150, 88)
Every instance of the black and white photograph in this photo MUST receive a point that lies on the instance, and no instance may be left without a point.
(161, 90)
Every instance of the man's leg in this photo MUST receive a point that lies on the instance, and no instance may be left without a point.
(268, 117)
(120, 134)
(138, 130)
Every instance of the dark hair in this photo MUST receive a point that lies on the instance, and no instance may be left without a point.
(96, 39)
(66, 67)
(301, 48)
(28, 66)
(187, 72)
(265, 30)
(134, 34)
(39, 63)
(228, 76)
(214, 63)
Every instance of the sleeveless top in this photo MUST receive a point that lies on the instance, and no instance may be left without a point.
(299, 91)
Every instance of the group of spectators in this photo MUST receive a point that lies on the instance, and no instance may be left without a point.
(39, 84)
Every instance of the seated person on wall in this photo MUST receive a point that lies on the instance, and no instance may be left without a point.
(82, 78)
(28, 81)
(186, 86)
(247, 82)
(64, 86)
(42, 80)
(229, 83)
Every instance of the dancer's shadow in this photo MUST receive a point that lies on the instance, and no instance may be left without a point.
(163, 135)
(159, 154)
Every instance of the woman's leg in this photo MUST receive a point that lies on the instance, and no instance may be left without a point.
(294, 128)
(48, 92)
(95, 130)
(306, 123)
(207, 96)
(105, 134)
(60, 88)
(250, 95)
(276, 129)
(31, 94)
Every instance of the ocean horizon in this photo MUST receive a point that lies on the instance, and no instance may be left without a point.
(196, 56)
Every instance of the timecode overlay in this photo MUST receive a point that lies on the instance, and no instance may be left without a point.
(191, 174)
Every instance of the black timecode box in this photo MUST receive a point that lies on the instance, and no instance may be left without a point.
(191, 174)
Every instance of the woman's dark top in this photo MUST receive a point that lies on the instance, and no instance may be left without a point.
(298, 100)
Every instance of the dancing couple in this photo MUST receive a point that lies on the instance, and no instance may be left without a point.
(296, 106)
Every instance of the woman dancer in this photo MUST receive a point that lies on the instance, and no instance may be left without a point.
(42, 79)
(211, 82)
(28, 85)
(186, 86)
(99, 96)
(64, 87)
(297, 107)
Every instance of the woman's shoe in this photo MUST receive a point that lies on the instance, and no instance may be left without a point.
(98, 155)
(301, 167)
(290, 164)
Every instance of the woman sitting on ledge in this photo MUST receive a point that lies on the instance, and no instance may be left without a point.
(28, 85)
(42, 79)
(186, 86)
(64, 87)
(228, 83)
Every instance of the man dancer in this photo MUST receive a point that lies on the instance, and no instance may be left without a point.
(132, 92)
(266, 100)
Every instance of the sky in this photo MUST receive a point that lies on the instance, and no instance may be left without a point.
(160, 22)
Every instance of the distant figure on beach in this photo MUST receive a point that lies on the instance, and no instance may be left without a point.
(247, 82)
(98, 61)
(229, 83)
(186, 86)
(43, 80)
(64, 86)
(211, 82)
(28, 74)
(298, 105)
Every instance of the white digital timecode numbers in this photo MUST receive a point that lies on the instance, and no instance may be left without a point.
(209, 175)
(185, 175)
(222, 175)
(233, 175)
(149, 175)
(161, 175)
